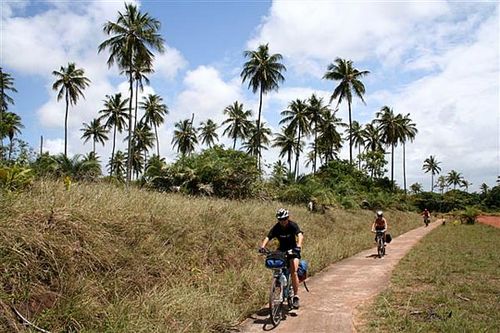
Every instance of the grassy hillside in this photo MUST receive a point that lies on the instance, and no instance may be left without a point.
(99, 258)
(448, 283)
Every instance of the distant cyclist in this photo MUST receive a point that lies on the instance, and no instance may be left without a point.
(290, 237)
(427, 217)
(379, 224)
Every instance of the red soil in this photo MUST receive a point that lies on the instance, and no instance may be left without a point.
(491, 220)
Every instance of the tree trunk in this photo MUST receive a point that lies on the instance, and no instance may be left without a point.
(297, 156)
(136, 98)
(113, 154)
(359, 159)
(350, 137)
(157, 141)
(234, 143)
(315, 145)
(66, 127)
(10, 148)
(129, 148)
(404, 166)
(93, 150)
(392, 166)
(258, 129)
(432, 181)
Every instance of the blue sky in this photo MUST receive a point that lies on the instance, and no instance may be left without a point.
(437, 60)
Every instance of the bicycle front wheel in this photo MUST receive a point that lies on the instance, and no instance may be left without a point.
(275, 302)
(380, 247)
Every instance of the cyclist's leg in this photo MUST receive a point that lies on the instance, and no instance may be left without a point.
(294, 265)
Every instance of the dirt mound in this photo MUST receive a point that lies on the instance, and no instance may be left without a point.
(490, 220)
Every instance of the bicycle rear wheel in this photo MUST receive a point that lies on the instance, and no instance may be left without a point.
(380, 247)
(276, 302)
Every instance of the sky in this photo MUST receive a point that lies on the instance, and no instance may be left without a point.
(439, 61)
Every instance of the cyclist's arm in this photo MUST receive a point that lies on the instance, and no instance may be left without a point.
(373, 227)
(264, 242)
(386, 225)
(300, 239)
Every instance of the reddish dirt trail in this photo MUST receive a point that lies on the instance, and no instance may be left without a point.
(339, 289)
(490, 220)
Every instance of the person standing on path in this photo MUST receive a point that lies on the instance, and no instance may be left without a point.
(290, 237)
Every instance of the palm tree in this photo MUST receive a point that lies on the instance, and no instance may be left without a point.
(465, 183)
(287, 144)
(11, 126)
(441, 183)
(115, 114)
(342, 70)
(94, 131)
(454, 178)
(70, 81)
(431, 165)
(416, 188)
(208, 134)
(264, 74)
(355, 134)
(329, 138)
(258, 141)
(484, 189)
(184, 137)
(154, 114)
(140, 67)
(316, 109)
(372, 138)
(239, 124)
(408, 132)
(390, 127)
(297, 119)
(117, 164)
(6, 84)
(132, 35)
(143, 140)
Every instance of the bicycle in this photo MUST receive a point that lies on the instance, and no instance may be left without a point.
(281, 285)
(379, 238)
(427, 220)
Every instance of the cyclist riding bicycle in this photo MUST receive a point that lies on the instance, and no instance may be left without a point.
(379, 224)
(427, 216)
(290, 237)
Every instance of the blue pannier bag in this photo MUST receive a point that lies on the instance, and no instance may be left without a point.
(302, 270)
(275, 260)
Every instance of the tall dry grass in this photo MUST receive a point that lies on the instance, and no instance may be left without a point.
(99, 258)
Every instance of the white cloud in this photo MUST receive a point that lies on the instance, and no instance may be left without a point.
(169, 63)
(53, 146)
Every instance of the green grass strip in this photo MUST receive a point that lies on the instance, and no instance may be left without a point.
(450, 282)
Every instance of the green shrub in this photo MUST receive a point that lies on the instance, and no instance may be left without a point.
(15, 177)
(469, 215)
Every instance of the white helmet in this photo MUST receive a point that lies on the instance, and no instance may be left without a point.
(380, 213)
(281, 214)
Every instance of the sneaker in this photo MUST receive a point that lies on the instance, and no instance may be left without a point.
(295, 302)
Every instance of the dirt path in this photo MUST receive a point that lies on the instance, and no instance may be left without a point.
(339, 289)
(490, 220)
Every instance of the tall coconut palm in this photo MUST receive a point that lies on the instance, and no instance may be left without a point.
(484, 189)
(208, 132)
(465, 183)
(238, 122)
(264, 73)
(115, 115)
(258, 140)
(297, 119)
(132, 36)
(391, 129)
(6, 84)
(140, 67)
(372, 138)
(11, 126)
(287, 143)
(441, 183)
(154, 114)
(355, 134)
(408, 132)
(343, 70)
(70, 81)
(143, 141)
(94, 131)
(118, 165)
(431, 165)
(454, 178)
(184, 137)
(315, 109)
(329, 138)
